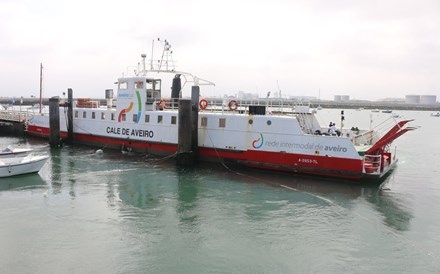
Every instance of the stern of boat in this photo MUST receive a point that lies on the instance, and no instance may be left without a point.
(378, 159)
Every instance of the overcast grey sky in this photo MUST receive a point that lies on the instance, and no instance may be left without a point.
(366, 49)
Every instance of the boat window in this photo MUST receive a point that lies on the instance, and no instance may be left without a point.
(159, 119)
(147, 118)
(123, 117)
(173, 120)
(93, 115)
(149, 85)
(157, 84)
(250, 121)
(123, 85)
(113, 117)
(76, 114)
(222, 122)
(204, 121)
(84, 114)
(269, 122)
(102, 115)
(135, 117)
(139, 84)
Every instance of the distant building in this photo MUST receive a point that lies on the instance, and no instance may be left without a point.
(421, 99)
(342, 98)
(302, 98)
(247, 96)
(412, 99)
(392, 100)
(428, 99)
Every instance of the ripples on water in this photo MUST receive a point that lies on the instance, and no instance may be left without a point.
(120, 213)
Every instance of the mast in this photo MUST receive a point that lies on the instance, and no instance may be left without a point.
(41, 86)
(152, 56)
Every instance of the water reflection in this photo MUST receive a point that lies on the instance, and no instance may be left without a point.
(392, 206)
(139, 194)
(22, 182)
(187, 200)
(56, 170)
(156, 184)
(159, 186)
(322, 192)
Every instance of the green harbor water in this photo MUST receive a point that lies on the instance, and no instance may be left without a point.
(122, 213)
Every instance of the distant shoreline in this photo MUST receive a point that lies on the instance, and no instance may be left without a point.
(381, 105)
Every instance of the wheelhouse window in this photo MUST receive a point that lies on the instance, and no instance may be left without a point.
(84, 114)
(147, 118)
(76, 114)
(123, 85)
(139, 85)
(123, 117)
(173, 120)
(159, 119)
(135, 117)
(93, 115)
(102, 116)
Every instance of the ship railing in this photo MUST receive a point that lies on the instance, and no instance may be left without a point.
(372, 164)
(13, 115)
(363, 137)
(273, 106)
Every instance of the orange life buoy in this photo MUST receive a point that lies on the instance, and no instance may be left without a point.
(163, 104)
(203, 104)
(233, 105)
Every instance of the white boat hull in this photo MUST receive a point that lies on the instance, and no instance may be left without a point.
(13, 152)
(17, 166)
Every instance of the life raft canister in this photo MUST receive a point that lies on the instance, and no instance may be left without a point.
(233, 105)
(203, 104)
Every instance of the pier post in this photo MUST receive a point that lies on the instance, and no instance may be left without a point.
(54, 122)
(175, 90)
(69, 116)
(185, 156)
(195, 96)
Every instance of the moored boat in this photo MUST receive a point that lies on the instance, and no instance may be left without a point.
(14, 151)
(21, 165)
(252, 135)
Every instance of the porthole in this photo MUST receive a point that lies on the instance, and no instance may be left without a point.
(269, 122)
(250, 121)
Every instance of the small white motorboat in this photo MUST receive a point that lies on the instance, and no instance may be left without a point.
(13, 151)
(21, 165)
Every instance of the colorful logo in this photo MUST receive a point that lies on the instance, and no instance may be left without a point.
(128, 109)
(258, 143)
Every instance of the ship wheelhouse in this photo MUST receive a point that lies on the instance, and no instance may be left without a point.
(141, 91)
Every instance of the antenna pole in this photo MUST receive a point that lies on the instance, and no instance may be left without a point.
(279, 90)
(41, 86)
(152, 56)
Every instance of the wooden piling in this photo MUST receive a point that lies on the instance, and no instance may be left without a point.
(70, 116)
(195, 96)
(185, 156)
(54, 122)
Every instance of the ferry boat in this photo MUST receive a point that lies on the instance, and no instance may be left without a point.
(144, 120)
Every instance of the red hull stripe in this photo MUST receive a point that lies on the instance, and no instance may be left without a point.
(311, 164)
